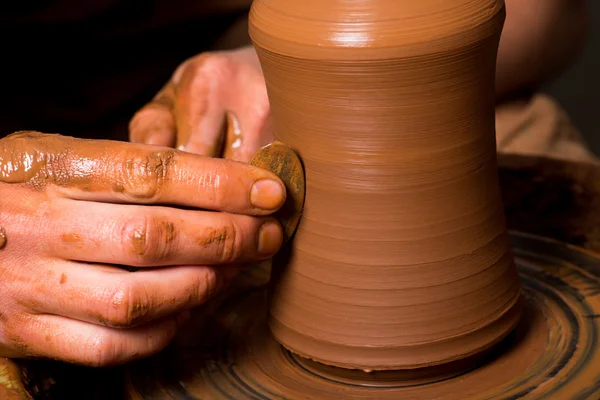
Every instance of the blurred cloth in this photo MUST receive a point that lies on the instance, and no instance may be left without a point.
(538, 125)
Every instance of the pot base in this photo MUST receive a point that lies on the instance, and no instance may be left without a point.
(552, 352)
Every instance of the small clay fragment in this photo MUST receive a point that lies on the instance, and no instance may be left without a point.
(3, 238)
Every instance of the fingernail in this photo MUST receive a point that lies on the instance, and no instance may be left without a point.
(270, 239)
(267, 194)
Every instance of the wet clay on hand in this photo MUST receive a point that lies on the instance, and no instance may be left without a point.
(401, 259)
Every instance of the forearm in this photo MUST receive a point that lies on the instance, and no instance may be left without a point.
(540, 39)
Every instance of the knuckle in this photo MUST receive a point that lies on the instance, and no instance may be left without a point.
(229, 241)
(145, 174)
(12, 334)
(35, 158)
(200, 81)
(101, 351)
(125, 307)
(146, 240)
(134, 238)
(206, 73)
(206, 285)
(214, 65)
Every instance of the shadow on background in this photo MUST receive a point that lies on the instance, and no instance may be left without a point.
(578, 90)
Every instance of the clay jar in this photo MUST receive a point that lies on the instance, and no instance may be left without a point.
(402, 258)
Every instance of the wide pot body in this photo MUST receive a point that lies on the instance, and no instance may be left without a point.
(401, 259)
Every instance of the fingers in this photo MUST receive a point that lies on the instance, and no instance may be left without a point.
(114, 297)
(155, 123)
(78, 342)
(221, 106)
(188, 113)
(250, 123)
(199, 113)
(159, 236)
(216, 105)
(133, 173)
(249, 128)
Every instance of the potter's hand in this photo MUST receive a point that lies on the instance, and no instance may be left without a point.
(72, 210)
(215, 104)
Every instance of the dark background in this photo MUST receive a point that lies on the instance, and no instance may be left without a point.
(578, 90)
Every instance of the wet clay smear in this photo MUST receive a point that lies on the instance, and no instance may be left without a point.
(3, 238)
(551, 354)
(401, 259)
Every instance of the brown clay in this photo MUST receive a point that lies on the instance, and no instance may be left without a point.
(88, 165)
(11, 386)
(103, 169)
(551, 353)
(233, 137)
(401, 259)
(284, 162)
(3, 238)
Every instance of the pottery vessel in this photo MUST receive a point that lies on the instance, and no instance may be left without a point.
(402, 257)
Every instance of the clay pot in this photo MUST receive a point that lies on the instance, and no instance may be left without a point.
(402, 258)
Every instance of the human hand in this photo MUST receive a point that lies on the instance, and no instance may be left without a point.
(216, 105)
(72, 211)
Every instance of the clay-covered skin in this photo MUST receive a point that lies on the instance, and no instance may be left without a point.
(215, 105)
(107, 245)
(401, 259)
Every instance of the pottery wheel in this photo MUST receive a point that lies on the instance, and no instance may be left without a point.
(551, 354)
